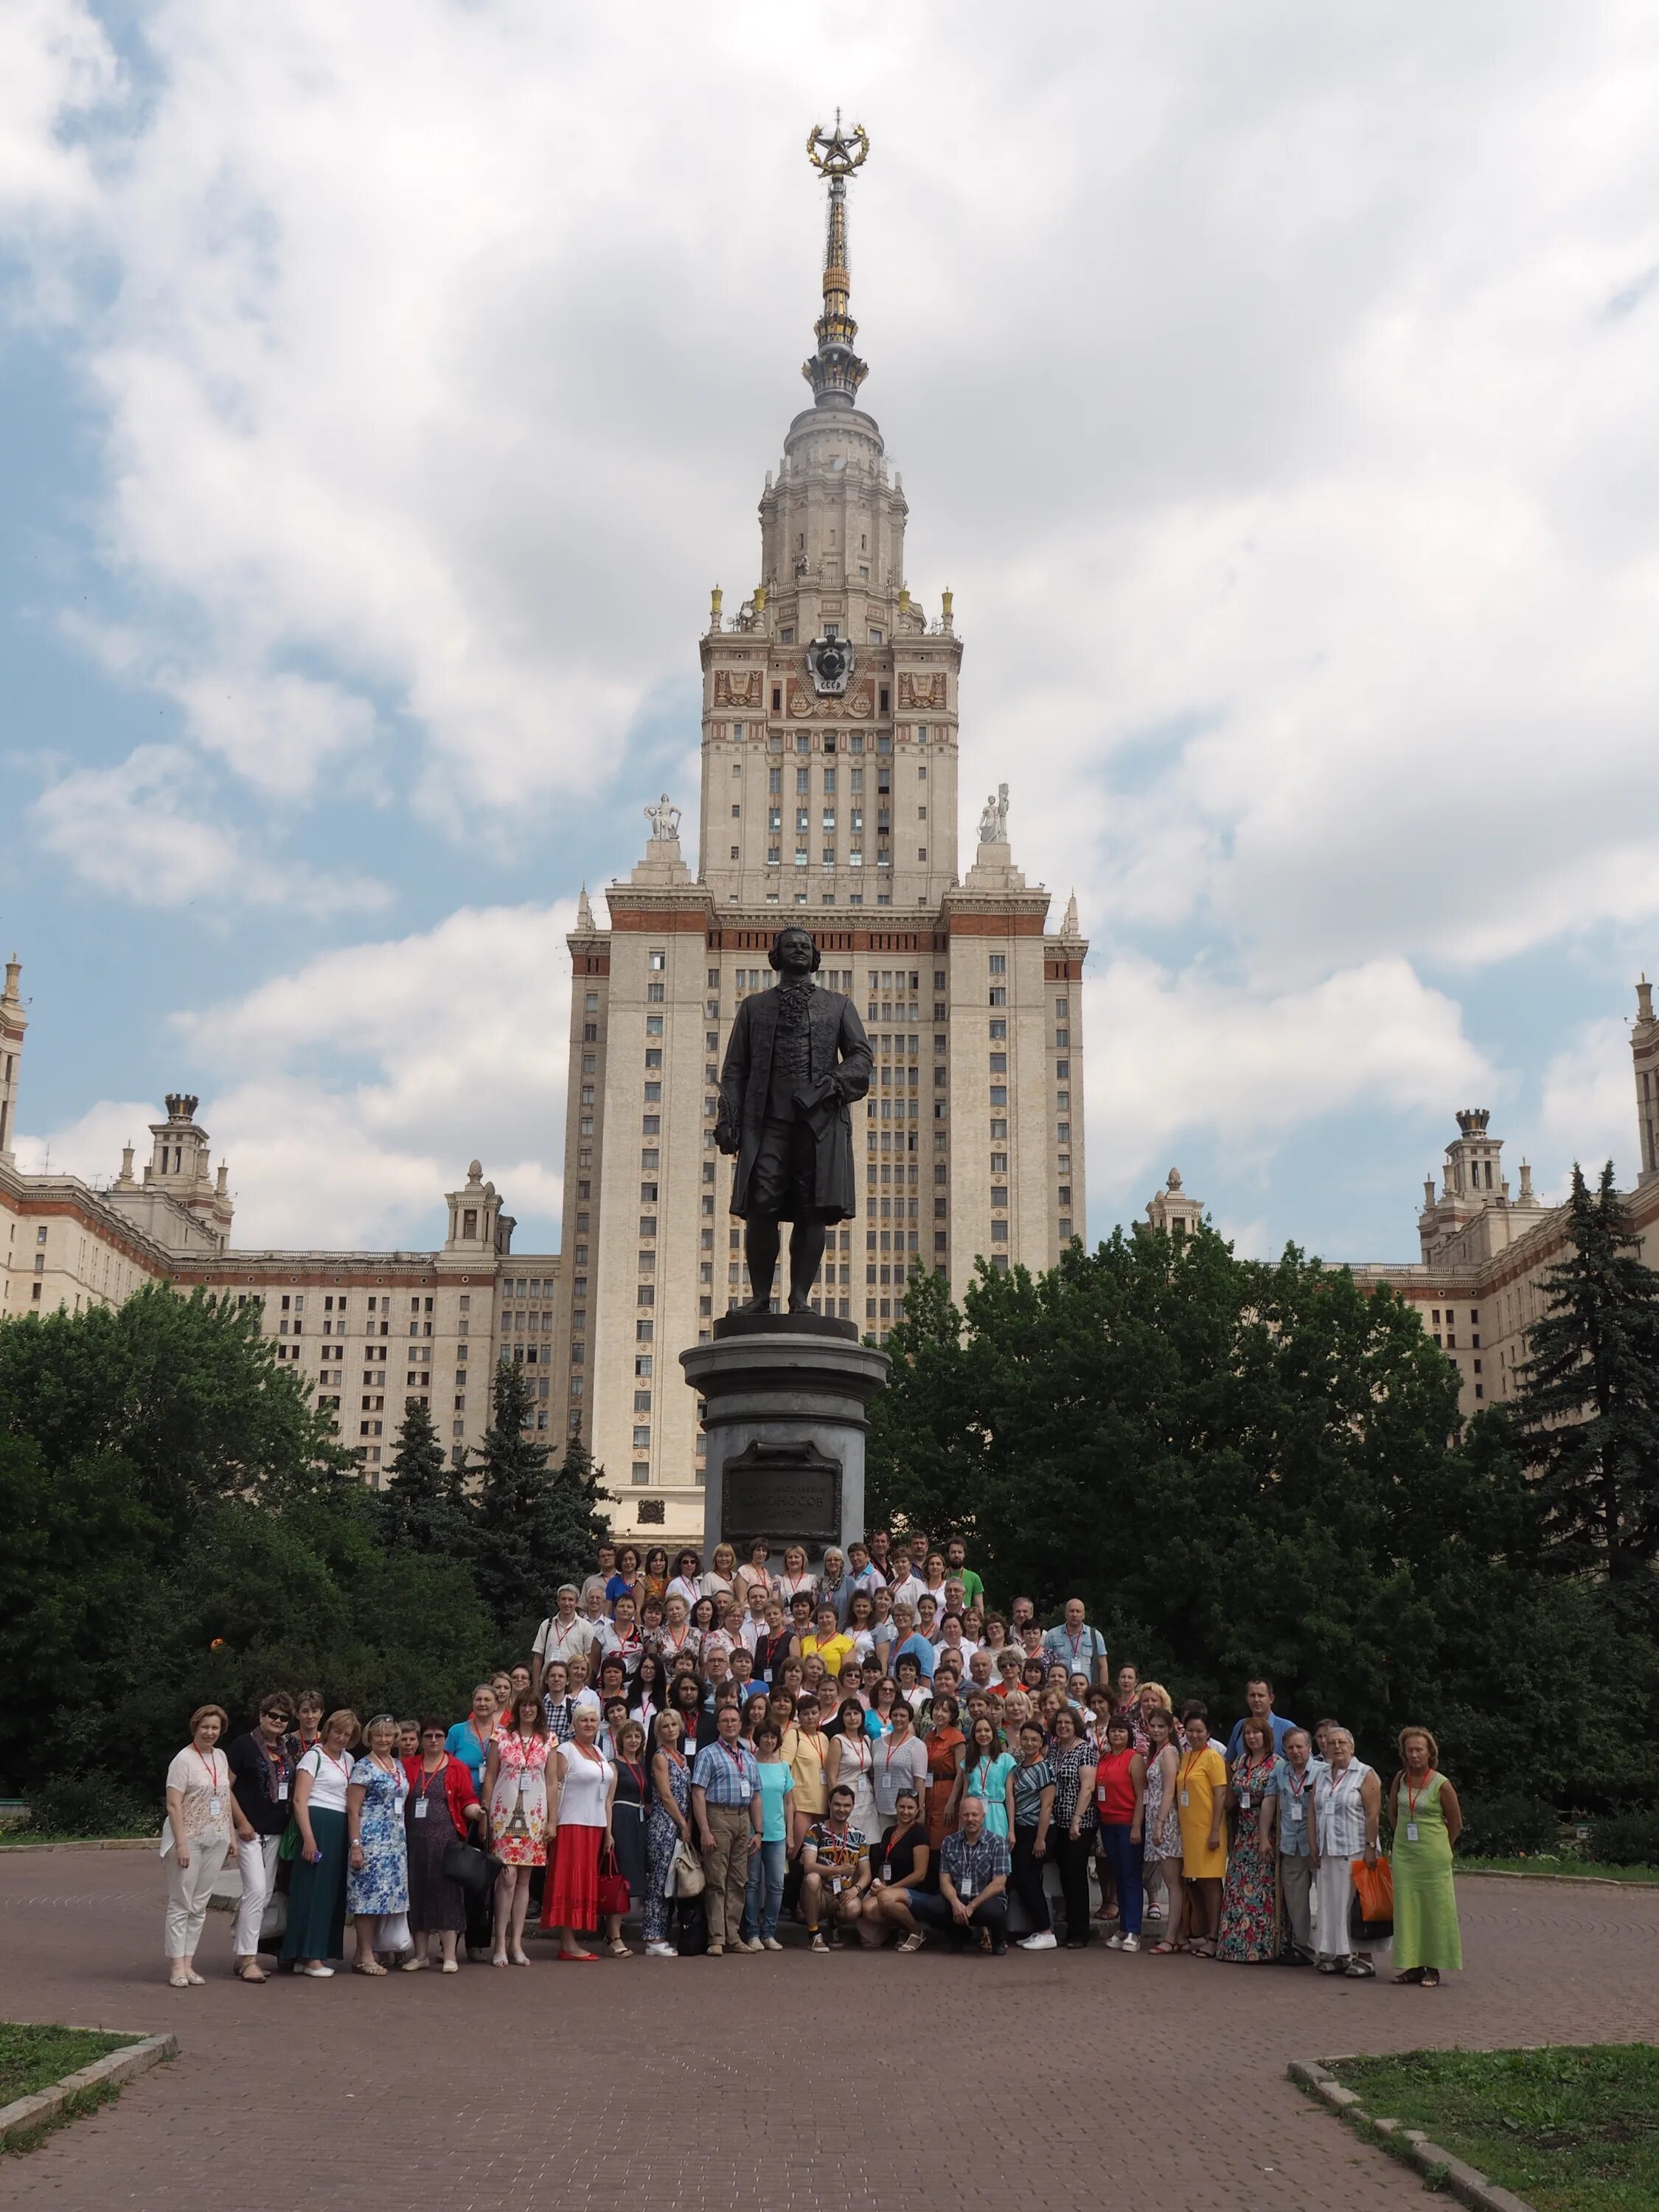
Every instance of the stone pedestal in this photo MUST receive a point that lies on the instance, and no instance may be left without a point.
(784, 1398)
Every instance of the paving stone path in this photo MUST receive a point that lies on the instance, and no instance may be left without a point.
(1059, 2081)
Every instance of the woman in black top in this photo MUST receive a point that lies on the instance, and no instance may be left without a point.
(685, 1698)
(262, 1782)
(902, 1861)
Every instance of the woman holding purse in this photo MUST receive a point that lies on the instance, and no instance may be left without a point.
(442, 1805)
(316, 1901)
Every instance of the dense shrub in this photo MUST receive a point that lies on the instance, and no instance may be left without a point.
(1508, 1826)
(1626, 1840)
(90, 1805)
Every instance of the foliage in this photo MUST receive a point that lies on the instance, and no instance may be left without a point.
(1244, 1466)
(1568, 2127)
(1626, 1840)
(423, 1507)
(533, 1527)
(1588, 1407)
(1510, 1826)
(33, 2059)
(91, 1805)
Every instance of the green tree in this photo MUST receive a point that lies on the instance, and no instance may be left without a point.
(536, 1527)
(425, 1507)
(1588, 1408)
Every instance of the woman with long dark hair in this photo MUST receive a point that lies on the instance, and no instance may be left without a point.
(648, 1693)
(685, 1698)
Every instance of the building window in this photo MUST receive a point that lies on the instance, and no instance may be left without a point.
(641, 1472)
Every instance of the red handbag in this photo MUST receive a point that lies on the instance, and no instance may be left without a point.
(614, 1893)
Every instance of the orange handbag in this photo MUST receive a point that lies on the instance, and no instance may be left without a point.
(1374, 1887)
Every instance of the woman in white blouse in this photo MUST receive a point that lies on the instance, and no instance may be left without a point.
(316, 1903)
(795, 1581)
(202, 1814)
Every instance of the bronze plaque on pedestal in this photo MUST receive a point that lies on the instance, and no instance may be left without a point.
(790, 1493)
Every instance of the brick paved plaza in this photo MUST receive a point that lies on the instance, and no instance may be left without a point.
(1144, 2083)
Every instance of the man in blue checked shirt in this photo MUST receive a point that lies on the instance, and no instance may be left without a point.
(1082, 1648)
(973, 1890)
(725, 1806)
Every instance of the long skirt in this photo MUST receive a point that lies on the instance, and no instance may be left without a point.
(316, 1899)
(572, 1899)
(435, 1901)
(1250, 1903)
(1425, 1930)
(661, 1841)
(627, 1826)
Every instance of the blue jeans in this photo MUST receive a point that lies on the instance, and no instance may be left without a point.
(764, 1895)
(1124, 1858)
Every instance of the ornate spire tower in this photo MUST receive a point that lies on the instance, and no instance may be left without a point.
(834, 372)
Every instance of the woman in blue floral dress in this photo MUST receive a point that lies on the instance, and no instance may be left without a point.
(1250, 1900)
(667, 1826)
(377, 1880)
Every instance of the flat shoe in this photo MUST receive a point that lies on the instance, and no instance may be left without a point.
(194, 1979)
(177, 1981)
(414, 1965)
(449, 1966)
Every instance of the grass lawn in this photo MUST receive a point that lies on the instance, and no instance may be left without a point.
(33, 2059)
(1542, 1864)
(1570, 2129)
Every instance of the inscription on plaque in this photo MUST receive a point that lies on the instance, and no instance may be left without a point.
(788, 1493)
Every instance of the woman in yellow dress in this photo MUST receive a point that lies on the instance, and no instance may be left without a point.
(1201, 1804)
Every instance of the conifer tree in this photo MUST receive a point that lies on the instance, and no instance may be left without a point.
(424, 1507)
(1588, 1406)
(535, 1526)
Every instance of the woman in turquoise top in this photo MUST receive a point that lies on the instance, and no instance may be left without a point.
(988, 1771)
(764, 1894)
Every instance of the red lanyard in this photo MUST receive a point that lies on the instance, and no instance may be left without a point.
(343, 1762)
(1411, 1795)
(209, 1759)
(734, 1752)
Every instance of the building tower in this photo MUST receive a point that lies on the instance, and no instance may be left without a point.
(1644, 1057)
(13, 1023)
(180, 1168)
(829, 795)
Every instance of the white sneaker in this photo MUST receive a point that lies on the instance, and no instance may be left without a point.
(1046, 1941)
(1114, 1943)
(660, 1951)
(1132, 1943)
(770, 1943)
(753, 1944)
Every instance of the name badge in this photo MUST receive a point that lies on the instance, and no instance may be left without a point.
(1411, 1831)
(1296, 1814)
(215, 1808)
(1183, 1801)
(965, 1891)
(1244, 1801)
(420, 1809)
(282, 1791)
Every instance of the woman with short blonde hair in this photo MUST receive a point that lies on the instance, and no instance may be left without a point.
(201, 1815)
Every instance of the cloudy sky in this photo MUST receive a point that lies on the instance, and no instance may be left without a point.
(383, 387)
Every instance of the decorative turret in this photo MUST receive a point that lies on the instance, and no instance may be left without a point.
(1645, 1059)
(835, 371)
(13, 1023)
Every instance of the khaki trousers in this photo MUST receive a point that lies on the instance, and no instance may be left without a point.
(726, 1868)
(1296, 1887)
(188, 1891)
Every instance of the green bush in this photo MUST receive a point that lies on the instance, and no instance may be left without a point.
(90, 1805)
(1510, 1826)
(1625, 1839)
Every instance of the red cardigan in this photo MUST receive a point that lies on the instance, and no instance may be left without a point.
(459, 1792)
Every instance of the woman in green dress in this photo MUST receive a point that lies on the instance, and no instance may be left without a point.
(1427, 1820)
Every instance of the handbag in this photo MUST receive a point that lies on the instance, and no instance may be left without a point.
(689, 1878)
(1371, 1914)
(614, 1895)
(474, 1869)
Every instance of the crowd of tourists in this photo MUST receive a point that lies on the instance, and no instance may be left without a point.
(867, 1753)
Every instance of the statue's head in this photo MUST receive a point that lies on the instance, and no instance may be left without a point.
(794, 952)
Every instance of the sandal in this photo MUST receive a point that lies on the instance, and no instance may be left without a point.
(249, 1971)
(1330, 1965)
(1360, 1970)
(1410, 1974)
(370, 1968)
(1166, 1950)
(619, 1949)
(1204, 1947)
(913, 1942)
(1430, 1978)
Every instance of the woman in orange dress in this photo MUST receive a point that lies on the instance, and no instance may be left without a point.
(946, 1744)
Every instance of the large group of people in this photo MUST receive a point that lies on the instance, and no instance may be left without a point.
(866, 1752)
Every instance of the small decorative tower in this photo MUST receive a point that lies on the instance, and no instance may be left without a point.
(1644, 1058)
(13, 1023)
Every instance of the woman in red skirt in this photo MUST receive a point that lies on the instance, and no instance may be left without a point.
(578, 1824)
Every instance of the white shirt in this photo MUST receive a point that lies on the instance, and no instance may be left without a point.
(908, 1591)
(689, 1587)
(329, 1778)
(558, 1639)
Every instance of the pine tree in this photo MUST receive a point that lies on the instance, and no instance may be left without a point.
(1588, 1406)
(424, 1509)
(534, 1526)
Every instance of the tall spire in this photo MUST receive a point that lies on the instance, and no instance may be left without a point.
(834, 372)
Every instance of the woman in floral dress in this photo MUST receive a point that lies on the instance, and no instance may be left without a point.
(515, 1790)
(377, 1880)
(1250, 1902)
(668, 1825)
(1162, 1823)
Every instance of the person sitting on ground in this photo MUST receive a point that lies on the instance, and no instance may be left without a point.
(900, 1862)
(973, 1890)
(835, 1869)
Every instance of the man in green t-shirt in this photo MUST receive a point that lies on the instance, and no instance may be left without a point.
(956, 1555)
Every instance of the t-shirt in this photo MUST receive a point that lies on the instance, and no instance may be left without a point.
(973, 1587)
(832, 1650)
(895, 1767)
(203, 1781)
(329, 1778)
(839, 1854)
(918, 1648)
(1029, 1783)
(462, 1742)
(895, 1860)
(804, 1755)
(777, 1786)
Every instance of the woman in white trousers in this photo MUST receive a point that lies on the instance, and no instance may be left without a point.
(201, 1817)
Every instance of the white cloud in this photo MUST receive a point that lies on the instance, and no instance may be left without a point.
(1588, 1106)
(137, 831)
(1178, 1053)
(90, 1146)
(354, 1091)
